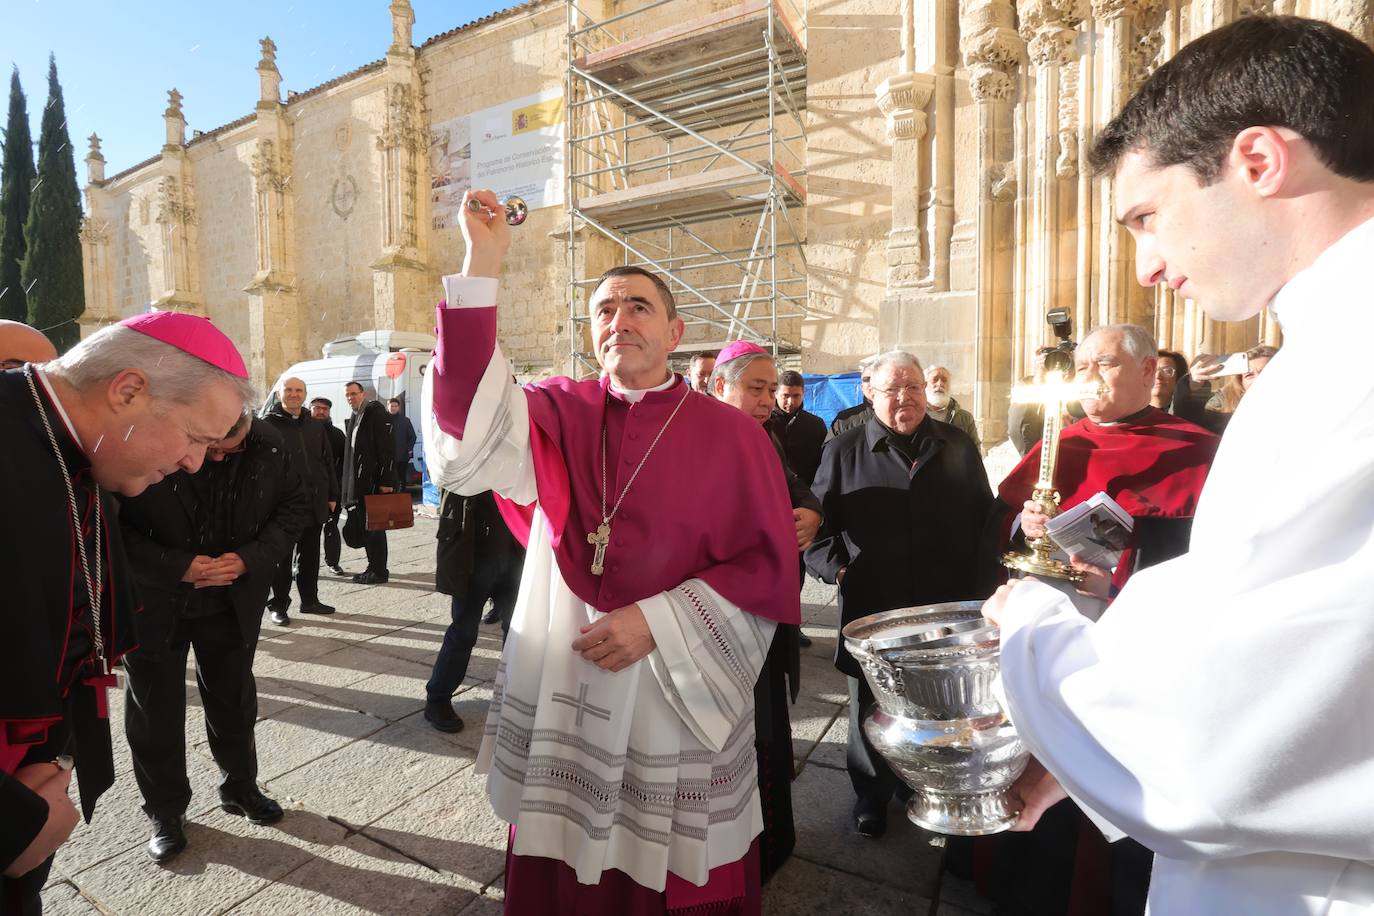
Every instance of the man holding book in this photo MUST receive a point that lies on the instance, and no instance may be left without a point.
(1124, 456)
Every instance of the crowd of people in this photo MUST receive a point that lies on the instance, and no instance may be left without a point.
(643, 538)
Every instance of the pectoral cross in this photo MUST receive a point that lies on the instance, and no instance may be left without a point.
(1057, 390)
(102, 684)
(599, 538)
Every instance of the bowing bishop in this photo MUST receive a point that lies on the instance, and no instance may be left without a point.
(661, 548)
(122, 409)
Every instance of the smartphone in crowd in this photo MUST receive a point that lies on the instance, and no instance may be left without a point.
(1233, 364)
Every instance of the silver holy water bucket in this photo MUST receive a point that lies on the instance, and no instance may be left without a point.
(937, 723)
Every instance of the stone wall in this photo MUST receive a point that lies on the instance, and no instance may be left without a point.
(947, 207)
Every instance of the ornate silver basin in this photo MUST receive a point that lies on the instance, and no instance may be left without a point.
(938, 724)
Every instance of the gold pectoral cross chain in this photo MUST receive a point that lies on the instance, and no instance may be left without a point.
(601, 537)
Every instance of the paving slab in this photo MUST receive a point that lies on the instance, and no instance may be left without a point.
(452, 828)
(365, 779)
(359, 876)
(805, 888)
(226, 860)
(346, 663)
(61, 898)
(119, 823)
(903, 858)
(305, 732)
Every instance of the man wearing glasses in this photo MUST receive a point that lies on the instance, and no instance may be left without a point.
(904, 498)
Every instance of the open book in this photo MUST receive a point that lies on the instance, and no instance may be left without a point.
(1096, 530)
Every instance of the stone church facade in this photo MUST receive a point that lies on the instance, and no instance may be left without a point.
(947, 208)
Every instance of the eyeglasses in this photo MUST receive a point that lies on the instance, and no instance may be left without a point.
(911, 391)
(1166, 371)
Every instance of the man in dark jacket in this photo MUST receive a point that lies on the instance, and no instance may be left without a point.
(905, 498)
(320, 409)
(404, 432)
(801, 432)
(478, 559)
(204, 548)
(369, 467)
(307, 444)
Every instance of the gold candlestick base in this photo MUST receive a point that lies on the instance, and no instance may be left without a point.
(1033, 564)
(1039, 560)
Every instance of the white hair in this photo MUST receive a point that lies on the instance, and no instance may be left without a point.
(895, 359)
(174, 376)
(1135, 340)
(731, 370)
(935, 368)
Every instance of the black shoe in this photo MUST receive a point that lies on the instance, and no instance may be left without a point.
(870, 820)
(279, 617)
(440, 714)
(168, 839)
(804, 641)
(338, 571)
(369, 577)
(492, 616)
(253, 805)
(316, 608)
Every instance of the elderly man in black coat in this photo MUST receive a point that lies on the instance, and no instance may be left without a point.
(905, 499)
(369, 468)
(312, 456)
(204, 548)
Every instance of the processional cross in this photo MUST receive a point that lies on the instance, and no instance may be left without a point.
(1056, 391)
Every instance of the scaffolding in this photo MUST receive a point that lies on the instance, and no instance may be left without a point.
(686, 149)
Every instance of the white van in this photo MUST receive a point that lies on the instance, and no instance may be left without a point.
(390, 364)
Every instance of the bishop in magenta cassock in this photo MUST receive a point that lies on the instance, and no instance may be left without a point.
(124, 408)
(661, 550)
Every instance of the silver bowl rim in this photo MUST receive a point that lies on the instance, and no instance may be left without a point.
(986, 634)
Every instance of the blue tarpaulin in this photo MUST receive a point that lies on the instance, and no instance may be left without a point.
(827, 395)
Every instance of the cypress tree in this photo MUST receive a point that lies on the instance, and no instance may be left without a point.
(16, 167)
(52, 266)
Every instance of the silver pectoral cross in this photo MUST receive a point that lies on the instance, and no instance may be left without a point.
(599, 539)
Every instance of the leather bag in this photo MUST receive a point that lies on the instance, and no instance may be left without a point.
(388, 511)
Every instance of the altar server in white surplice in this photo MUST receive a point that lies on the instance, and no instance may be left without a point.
(661, 552)
(1222, 710)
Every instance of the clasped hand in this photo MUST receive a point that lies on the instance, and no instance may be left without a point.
(616, 641)
(210, 572)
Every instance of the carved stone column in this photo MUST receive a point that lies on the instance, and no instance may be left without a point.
(902, 99)
(1131, 38)
(1050, 28)
(403, 293)
(97, 277)
(992, 52)
(176, 215)
(274, 320)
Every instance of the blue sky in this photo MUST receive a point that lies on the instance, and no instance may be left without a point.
(116, 60)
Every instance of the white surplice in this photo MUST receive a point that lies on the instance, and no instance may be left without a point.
(1221, 711)
(647, 770)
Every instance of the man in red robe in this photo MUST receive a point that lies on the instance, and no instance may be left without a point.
(661, 548)
(1153, 465)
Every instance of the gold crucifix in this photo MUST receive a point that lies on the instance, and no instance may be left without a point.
(599, 539)
(1057, 390)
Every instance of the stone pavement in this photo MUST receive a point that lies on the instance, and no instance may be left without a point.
(385, 815)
